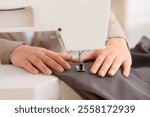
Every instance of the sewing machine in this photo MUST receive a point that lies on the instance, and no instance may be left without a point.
(82, 25)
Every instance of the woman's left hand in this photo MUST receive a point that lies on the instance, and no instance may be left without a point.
(110, 59)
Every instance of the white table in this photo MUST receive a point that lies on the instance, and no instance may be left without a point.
(16, 83)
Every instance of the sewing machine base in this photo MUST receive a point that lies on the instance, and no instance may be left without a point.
(17, 84)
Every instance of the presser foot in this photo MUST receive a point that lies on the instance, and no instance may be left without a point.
(80, 67)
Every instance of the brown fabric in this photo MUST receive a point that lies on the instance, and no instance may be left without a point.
(136, 86)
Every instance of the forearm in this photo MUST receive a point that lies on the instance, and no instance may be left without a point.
(6, 47)
(114, 29)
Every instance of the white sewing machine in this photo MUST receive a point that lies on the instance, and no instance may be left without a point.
(82, 24)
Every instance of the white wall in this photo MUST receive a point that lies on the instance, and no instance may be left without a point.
(137, 19)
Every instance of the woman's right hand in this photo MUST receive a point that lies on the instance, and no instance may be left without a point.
(36, 59)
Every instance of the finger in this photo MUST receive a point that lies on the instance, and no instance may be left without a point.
(29, 67)
(115, 66)
(51, 63)
(59, 63)
(89, 56)
(38, 63)
(65, 56)
(106, 65)
(86, 56)
(63, 63)
(97, 64)
(126, 68)
(75, 59)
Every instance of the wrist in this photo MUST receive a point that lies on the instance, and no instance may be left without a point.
(16, 51)
(116, 40)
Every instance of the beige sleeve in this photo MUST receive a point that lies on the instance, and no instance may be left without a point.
(6, 47)
(114, 29)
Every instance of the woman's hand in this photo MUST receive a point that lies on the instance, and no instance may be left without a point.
(110, 59)
(35, 59)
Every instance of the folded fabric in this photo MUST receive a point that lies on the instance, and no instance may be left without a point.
(135, 87)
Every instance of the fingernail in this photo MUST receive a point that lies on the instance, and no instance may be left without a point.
(102, 73)
(35, 71)
(74, 59)
(93, 71)
(61, 70)
(111, 73)
(68, 67)
(49, 72)
(125, 75)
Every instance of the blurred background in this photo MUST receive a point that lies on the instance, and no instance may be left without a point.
(134, 17)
